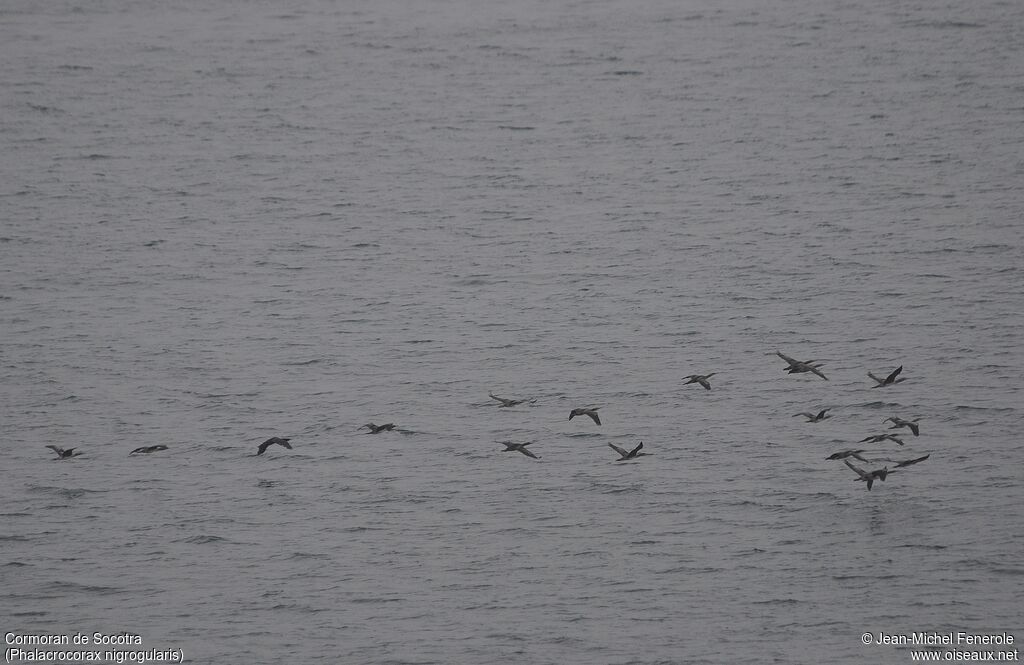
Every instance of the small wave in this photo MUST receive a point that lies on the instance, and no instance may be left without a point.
(64, 492)
(690, 570)
(841, 578)
(878, 405)
(995, 409)
(45, 109)
(307, 555)
(223, 395)
(298, 608)
(360, 529)
(203, 540)
(507, 637)
(620, 490)
(63, 585)
(945, 25)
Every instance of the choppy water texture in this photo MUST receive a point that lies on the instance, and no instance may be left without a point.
(226, 220)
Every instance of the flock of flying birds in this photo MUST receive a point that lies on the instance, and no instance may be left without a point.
(793, 366)
(868, 477)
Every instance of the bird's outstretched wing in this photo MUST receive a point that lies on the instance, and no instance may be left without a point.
(621, 451)
(815, 370)
(894, 374)
(859, 471)
(791, 361)
(911, 461)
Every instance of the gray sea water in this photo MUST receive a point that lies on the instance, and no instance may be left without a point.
(224, 221)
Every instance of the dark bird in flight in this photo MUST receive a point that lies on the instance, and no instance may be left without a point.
(518, 447)
(271, 441)
(590, 411)
(889, 380)
(702, 379)
(898, 422)
(908, 462)
(868, 476)
(377, 429)
(627, 455)
(505, 402)
(879, 438)
(63, 453)
(847, 453)
(801, 366)
(814, 417)
(148, 449)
